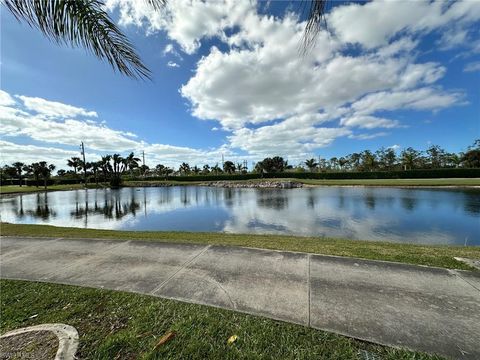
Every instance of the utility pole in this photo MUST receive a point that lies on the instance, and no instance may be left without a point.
(84, 164)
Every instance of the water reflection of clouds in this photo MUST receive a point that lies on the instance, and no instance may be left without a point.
(423, 216)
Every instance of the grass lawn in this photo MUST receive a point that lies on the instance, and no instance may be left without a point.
(351, 182)
(440, 256)
(11, 189)
(118, 325)
(14, 189)
(396, 182)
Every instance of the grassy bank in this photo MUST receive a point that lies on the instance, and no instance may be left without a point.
(396, 182)
(440, 256)
(349, 182)
(12, 189)
(117, 325)
(15, 189)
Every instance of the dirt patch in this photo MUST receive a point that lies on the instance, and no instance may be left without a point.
(35, 345)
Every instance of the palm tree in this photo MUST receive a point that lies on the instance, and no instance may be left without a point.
(84, 23)
(410, 158)
(95, 166)
(206, 169)
(34, 169)
(184, 168)
(75, 163)
(229, 167)
(311, 164)
(19, 167)
(131, 162)
(45, 170)
(216, 169)
(106, 166)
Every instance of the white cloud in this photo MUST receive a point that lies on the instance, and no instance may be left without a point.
(6, 99)
(16, 122)
(172, 64)
(376, 22)
(170, 49)
(369, 122)
(185, 21)
(66, 132)
(11, 152)
(367, 136)
(53, 108)
(471, 67)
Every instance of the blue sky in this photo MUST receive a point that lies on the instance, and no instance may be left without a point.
(228, 79)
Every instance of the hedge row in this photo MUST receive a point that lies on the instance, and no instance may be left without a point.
(397, 174)
(402, 174)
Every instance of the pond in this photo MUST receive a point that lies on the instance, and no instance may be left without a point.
(424, 216)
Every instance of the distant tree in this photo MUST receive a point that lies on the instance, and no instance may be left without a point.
(106, 166)
(342, 162)
(271, 165)
(45, 171)
(410, 158)
(196, 170)
(61, 173)
(34, 170)
(95, 166)
(205, 169)
(131, 162)
(334, 163)
(354, 160)
(216, 169)
(184, 169)
(311, 164)
(19, 168)
(74, 163)
(229, 167)
(241, 168)
(435, 157)
(369, 161)
(386, 158)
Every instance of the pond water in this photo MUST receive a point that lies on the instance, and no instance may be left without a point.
(426, 216)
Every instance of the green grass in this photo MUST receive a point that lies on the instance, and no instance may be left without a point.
(15, 189)
(396, 182)
(118, 325)
(351, 182)
(440, 256)
(12, 189)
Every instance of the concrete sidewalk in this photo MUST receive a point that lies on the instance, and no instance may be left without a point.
(426, 309)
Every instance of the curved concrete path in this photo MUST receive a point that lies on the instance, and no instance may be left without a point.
(427, 309)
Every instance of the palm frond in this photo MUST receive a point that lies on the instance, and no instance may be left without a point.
(157, 4)
(83, 23)
(315, 22)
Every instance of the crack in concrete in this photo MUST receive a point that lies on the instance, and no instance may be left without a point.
(456, 273)
(309, 293)
(183, 266)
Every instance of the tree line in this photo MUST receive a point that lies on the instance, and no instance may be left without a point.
(111, 168)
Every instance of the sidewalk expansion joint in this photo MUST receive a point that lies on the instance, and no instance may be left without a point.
(183, 266)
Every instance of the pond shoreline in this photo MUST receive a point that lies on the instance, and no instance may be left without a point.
(442, 183)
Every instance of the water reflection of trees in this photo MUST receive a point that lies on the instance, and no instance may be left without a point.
(42, 210)
(113, 208)
(272, 199)
(471, 201)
